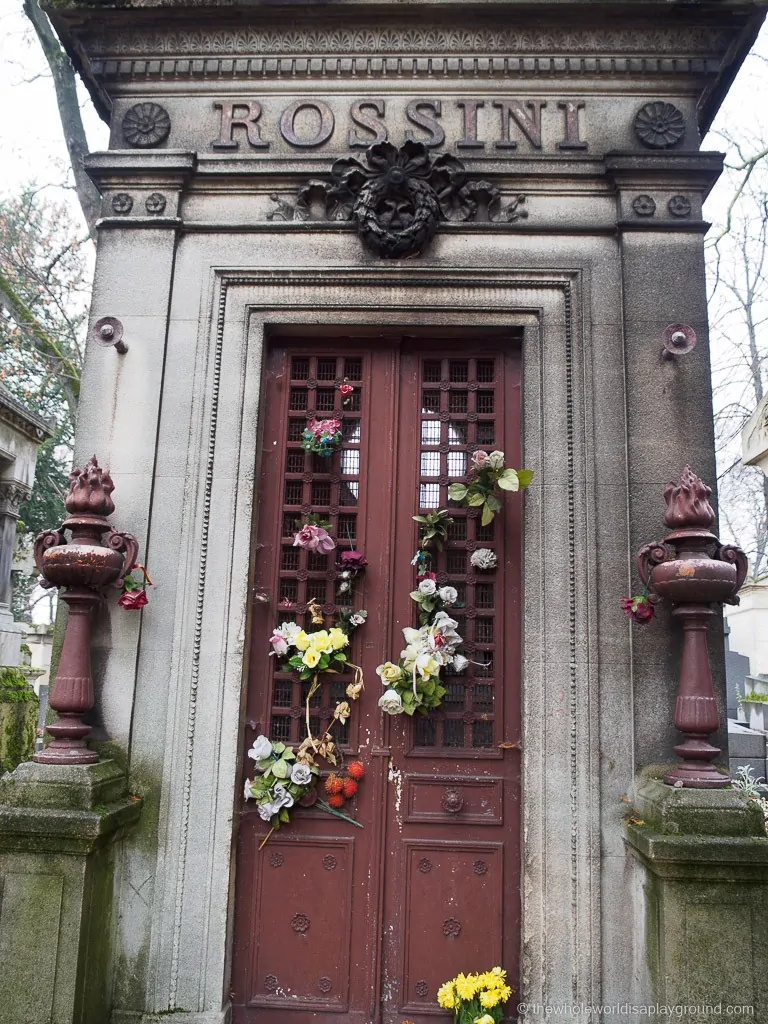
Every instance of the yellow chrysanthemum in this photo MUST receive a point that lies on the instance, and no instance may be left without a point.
(490, 999)
(498, 972)
(446, 996)
(485, 1019)
(338, 638)
(466, 987)
(301, 640)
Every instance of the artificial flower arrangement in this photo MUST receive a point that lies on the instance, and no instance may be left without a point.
(323, 437)
(639, 608)
(134, 595)
(476, 998)
(414, 683)
(488, 476)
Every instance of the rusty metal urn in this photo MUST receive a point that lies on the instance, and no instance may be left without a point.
(95, 557)
(692, 570)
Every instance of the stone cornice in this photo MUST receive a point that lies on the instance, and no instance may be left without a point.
(17, 415)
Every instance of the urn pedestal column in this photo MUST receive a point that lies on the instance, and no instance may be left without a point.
(692, 570)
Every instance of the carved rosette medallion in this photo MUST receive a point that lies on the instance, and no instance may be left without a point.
(644, 206)
(451, 928)
(146, 124)
(300, 923)
(679, 206)
(659, 125)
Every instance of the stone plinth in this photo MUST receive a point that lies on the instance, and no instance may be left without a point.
(58, 831)
(704, 858)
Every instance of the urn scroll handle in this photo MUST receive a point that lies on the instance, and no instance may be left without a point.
(730, 553)
(648, 557)
(128, 546)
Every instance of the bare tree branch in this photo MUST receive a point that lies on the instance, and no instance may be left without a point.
(65, 84)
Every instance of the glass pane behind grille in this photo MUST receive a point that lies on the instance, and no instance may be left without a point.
(304, 576)
(449, 431)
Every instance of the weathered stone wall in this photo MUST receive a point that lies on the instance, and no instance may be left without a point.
(203, 251)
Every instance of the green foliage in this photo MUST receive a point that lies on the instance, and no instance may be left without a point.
(488, 477)
(434, 528)
(753, 698)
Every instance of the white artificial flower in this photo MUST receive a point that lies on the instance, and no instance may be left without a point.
(343, 587)
(427, 588)
(288, 630)
(459, 662)
(495, 460)
(247, 790)
(301, 775)
(391, 702)
(266, 811)
(448, 595)
(282, 797)
(261, 749)
(484, 558)
(358, 618)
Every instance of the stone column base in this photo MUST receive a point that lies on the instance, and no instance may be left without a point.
(705, 860)
(178, 1017)
(58, 828)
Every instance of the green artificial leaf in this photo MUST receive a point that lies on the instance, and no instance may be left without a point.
(493, 502)
(509, 480)
(284, 816)
(408, 697)
(419, 519)
(289, 756)
(267, 771)
(415, 596)
(280, 770)
(278, 748)
(340, 656)
(457, 492)
(409, 708)
(524, 477)
(487, 516)
(476, 498)
(264, 764)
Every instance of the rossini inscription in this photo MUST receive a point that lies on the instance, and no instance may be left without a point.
(474, 123)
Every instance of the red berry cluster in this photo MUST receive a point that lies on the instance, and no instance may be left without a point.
(343, 787)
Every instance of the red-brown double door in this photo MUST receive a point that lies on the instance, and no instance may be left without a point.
(332, 922)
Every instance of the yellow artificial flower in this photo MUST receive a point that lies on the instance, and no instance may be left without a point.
(428, 668)
(301, 641)
(498, 972)
(311, 657)
(466, 987)
(338, 638)
(321, 641)
(485, 1019)
(490, 999)
(389, 672)
(446, 996)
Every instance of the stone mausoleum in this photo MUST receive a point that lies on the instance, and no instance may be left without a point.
(346, 249)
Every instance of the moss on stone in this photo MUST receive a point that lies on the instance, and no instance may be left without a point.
(18, 719)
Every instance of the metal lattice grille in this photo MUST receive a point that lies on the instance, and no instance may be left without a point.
(329, 487)
(461, 413)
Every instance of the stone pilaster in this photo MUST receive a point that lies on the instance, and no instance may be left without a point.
(703, 857)
(59, 827)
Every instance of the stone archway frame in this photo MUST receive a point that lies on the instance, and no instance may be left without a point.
(193, 888)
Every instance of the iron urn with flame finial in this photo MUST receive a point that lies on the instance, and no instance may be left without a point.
(692, 570)
(95, 557)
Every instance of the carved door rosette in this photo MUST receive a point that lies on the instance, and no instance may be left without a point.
(398, 201)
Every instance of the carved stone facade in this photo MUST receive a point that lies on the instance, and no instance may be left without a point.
(350, 170)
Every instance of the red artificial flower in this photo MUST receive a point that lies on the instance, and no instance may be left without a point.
(346, 389)
(350, 788)
(354, 560)
(638, 608)
(333, 784)
(133, 599)
(427, 576)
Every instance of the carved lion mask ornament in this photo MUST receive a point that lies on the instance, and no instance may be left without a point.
(398, 200)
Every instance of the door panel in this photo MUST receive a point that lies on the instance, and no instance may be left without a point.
(338, 923)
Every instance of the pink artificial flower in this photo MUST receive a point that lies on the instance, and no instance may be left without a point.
(315, 539)
(279, 645)
(479, 459)
(427, 576)
(324, 427)
(354, 560)
(346, 389)
(133, 600)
